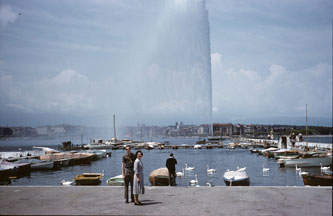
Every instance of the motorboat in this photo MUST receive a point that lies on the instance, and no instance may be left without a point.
(318, 180)
(116, 181)
(73, 157)
(159, 177)
(236, 178)
(88, 179)
(98, 146)
(307, 160)
(197, 146)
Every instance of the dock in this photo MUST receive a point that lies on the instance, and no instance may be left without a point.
(107, 200)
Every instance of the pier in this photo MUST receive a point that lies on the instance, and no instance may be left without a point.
(91, 200)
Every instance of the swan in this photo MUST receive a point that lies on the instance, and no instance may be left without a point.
(297, 169)
(194, 181)
(209, 184)
(103, 173)
(241, 169)
(265, 169)
(302, 173)
(324, 169)
(180, 174)
(210, 170)
(66, 183)
(188, 168)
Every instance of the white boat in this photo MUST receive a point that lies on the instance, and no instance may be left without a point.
(197, 146)
(315, 160)
(116, 181)
(99, 154)
(236, 178)
(99, 146)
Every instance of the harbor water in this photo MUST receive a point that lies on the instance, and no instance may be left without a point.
(220, 159)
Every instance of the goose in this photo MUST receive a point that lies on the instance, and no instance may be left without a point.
(66, 183)
(210, 170)
(181, 174)
(324, 169)
(194, 181)
(188, 168)
(265, 169)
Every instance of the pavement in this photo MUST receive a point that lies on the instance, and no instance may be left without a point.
(107, 200)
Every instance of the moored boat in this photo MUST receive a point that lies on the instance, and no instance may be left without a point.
(88, 179)
(159, 177)
(318, 180)
(236, 178)
(308, 160)
(116, 181)
(36, 164)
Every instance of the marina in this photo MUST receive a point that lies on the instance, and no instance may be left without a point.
(193, 163)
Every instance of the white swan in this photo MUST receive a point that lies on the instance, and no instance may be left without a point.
(300, 173)
(241, 169)
(324, 169)
(264, 169)
(180, 174)
(194, 181)
(209, 184)
(297, 169)
(66, 183)
(188, 168)
(210, 170)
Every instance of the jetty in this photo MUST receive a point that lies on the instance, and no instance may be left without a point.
(92, 200)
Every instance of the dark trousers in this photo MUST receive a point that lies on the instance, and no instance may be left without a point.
(172, 178)
(129, 180)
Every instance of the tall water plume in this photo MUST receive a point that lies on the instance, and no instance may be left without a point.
(171, 68)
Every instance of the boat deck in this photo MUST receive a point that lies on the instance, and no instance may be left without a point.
(92, 200)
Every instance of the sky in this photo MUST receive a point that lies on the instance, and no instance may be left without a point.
(75, 62)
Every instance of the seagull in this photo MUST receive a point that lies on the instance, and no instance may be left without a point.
(210, 170)
(66, 183)
(180, 174)
(194, 181)
(188, 168)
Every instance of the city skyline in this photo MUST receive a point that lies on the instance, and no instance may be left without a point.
(66, 62)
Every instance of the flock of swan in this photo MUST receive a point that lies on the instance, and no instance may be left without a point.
(194, 182)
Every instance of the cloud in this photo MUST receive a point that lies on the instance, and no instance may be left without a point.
(7, 15)
(68, 91)
(274, 92)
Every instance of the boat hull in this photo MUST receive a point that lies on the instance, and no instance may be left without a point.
(325, 180)
(242, 182)
(308, 162)
(159, 177)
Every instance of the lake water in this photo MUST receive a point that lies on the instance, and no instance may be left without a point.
(219, 159)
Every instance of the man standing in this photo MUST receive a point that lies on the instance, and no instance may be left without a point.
(171, 165)
(128, 172)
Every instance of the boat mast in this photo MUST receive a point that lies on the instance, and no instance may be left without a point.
(306, 127)
(114, 126)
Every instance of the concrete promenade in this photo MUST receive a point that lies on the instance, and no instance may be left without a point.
(107, 200)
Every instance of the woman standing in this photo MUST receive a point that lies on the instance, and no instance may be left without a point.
(138, 186)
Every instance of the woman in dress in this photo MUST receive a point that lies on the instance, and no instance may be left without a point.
(138, 187)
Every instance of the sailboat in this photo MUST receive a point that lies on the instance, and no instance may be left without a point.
(309, 159)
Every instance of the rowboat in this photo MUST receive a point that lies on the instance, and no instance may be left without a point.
(88, 179)
(318, 180)
(116, 181)
(236, 178)
(159, 177)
